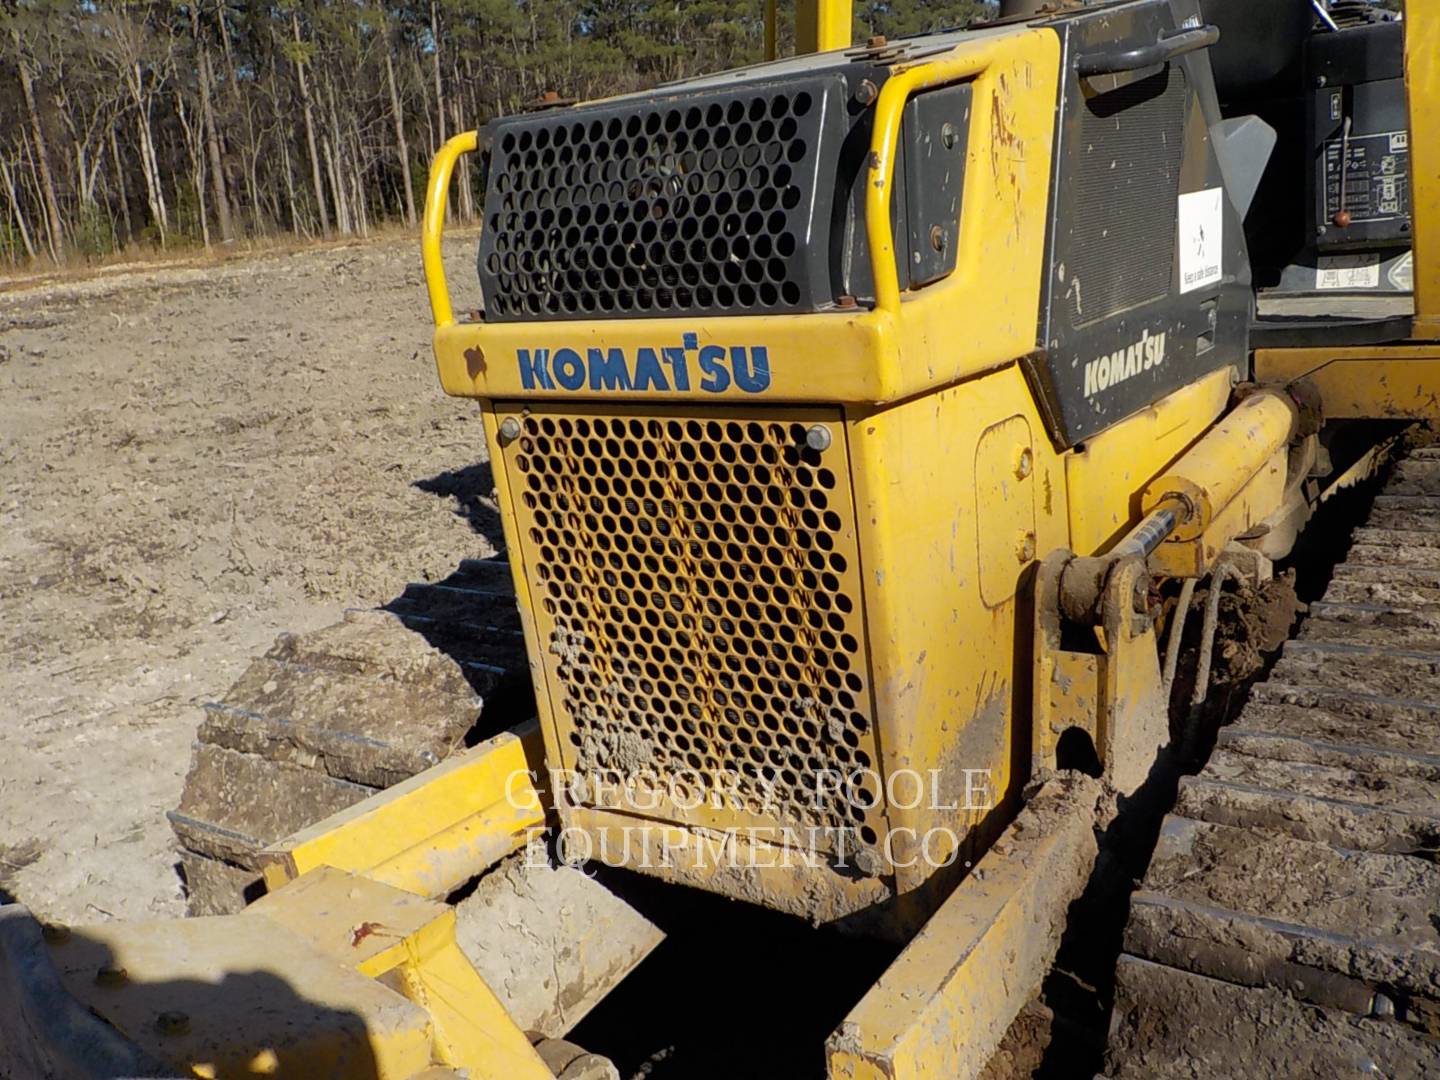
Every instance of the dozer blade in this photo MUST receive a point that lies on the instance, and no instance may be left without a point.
(337, 976)
(324, 719)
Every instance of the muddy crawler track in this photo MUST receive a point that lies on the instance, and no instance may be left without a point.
(325, 719)
(1289, 923)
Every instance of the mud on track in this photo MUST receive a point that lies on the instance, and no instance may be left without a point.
(191, 461)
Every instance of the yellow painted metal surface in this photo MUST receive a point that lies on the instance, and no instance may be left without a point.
(1102, 682)
(938, 542)
(1209, 476)
(433, 832)
(484, 359)
(1375, 381)
(948, 694)
(240, 996)
(1134, 714)
(650, 618)
(939, 643)
(332, 977)
(1010, 138)
(738, 863)
(1422, 82)
(1107, 475)
(1070, 691)
(441, 170)
(942, 1007)
(1068, 682)
(1004, 474)
(869, 356)
(382, 931)
(1260, 498)
(822, 25)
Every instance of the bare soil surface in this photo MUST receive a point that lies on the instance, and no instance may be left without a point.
(193, 460)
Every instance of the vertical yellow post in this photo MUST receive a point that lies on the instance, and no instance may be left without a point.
(1422, 83)
(772, 30)
(822, 25)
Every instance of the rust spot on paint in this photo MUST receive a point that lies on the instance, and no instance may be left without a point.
(361, 932)
(474, 361)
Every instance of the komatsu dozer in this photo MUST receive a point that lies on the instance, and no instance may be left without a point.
(875, 434)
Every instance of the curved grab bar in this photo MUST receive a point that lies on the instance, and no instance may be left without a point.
(1164, 50)
(889, 110)
(441, 169)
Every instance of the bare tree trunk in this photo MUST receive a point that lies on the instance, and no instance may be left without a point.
(212, 134)
(120, 183)
(402, 148)
(290, 187)
(357, 200)
(228, 50)
(309, 111)
(342, 212)
(31, 178)
(252, 183)
(334, 151)
(195, 151)
(42, 151)
(257, 146)
(439, 89)
(359, 197)
(435, 56)
(197, 180)
(245, 109)
(87, 171)
(9, 179)
(149, 162)
(467, 194)
(154, 196)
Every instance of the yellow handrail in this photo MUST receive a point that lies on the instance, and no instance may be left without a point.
(822, 25)
(441, 170)
(888, 113)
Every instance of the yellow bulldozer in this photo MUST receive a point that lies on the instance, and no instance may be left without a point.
(880, 436)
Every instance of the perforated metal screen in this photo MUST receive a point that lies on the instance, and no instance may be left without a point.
(1131, 145)
(663, 206)
(697, 591)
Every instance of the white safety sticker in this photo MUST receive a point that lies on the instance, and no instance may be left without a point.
(1202, 218)
(1347, 272)
(1402, 273)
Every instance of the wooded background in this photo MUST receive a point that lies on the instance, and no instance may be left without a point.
(155, 123)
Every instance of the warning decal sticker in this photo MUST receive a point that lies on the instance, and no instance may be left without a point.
(1201, 220)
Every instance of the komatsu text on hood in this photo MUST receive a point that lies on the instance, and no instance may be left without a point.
(712, 369)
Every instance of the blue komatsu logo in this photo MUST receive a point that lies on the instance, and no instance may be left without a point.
(673, 369)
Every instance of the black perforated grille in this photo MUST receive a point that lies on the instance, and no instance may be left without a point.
(666, 206)
(1132, 142)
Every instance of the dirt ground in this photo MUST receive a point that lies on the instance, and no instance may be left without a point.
(191, 461)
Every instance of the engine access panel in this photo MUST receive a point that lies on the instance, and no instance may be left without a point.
(1148, 285)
